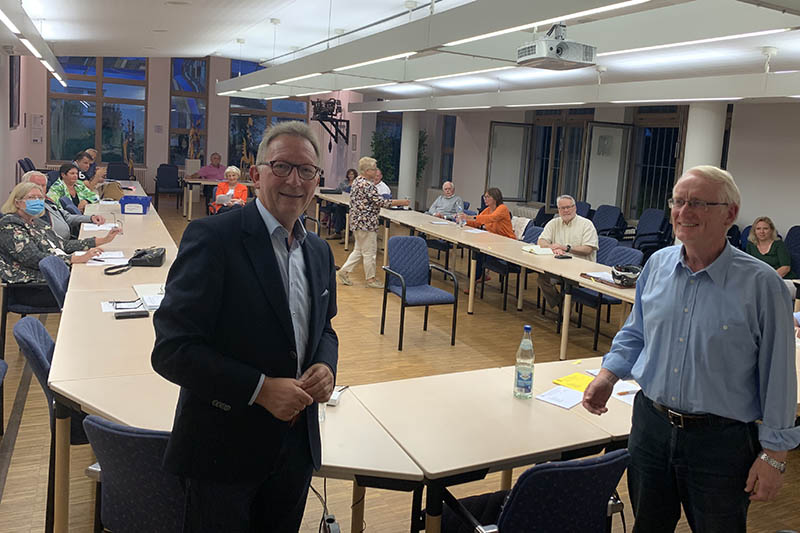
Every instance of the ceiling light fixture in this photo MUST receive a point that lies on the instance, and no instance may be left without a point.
(298, 78)
(370, 86)
(227, 93)
(464, 73)
(403, 110)
(63, 83)
(554, 20)
(312, 93)
(7, 21)
(254, 87)
(465, 107)
(404, 55)
(30, 47)
(698, 41)
(785, 71)
(546, 105)
(672, 100)
(368, 111)
(47, 66)
(795, 96)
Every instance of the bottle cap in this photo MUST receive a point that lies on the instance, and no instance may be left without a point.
(527, 328)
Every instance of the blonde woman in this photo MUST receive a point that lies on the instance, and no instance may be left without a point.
(234, 193)
(763, 243)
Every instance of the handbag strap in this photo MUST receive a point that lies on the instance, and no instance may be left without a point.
(117, 269)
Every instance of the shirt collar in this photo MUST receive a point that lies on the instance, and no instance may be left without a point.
(718, 270)
(273, 226)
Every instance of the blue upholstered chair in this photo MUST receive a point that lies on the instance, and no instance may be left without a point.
(745, 235)
(734, 236)
(117, 170)
(542, 218)
(792, 242)
(56, 272)
(137, 494)
(652, 232)
(618, 255)
(52, 177)
(26, 165)
(68, 205)
(409, 276)
(583, 209)
(609, 222)
(167, 182)
(557, 496)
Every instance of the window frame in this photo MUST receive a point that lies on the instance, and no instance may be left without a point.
(188, 94)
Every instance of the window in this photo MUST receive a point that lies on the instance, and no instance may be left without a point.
(386, 145)
(448, 148)
(102, 108)
(187, 110)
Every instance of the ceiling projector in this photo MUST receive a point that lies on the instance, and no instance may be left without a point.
(554, 52)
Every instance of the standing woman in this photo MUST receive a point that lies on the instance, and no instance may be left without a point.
(365, 206)
(763, 243)
(68, 185)
(231, 186)
(496, 218)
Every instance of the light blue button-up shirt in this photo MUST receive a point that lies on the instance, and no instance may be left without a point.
(292, 266)
(717, 341)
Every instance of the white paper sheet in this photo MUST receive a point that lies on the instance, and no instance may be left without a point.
(440, 222)
(625, 391)
(147, 289)
(605, 276)
(593, 371)
(562, 397)
(101, 227)
(475, 231)
(110, 307)
(108, 262)
(536, 249)
(152, 301)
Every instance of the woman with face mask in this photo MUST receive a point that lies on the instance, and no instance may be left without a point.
(25, 239)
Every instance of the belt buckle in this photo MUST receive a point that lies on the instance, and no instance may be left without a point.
(676, 419)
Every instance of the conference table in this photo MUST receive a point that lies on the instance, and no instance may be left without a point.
(188, 191)
(510, 250)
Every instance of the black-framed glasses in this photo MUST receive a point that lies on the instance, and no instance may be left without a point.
(694, 204)
(566, 207)
(282, 169)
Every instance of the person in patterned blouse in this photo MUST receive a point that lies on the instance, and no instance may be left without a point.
(69, 185)
(26, 239)
(365, 206)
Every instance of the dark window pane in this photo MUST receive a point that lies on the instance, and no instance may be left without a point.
(240, 67)
(86, 66)
(658, 109)
(547, 112)
(123, 132)
(248, 103)
(72, 127)
(126, 68)
(246, 132)
(118, 90)
(179, 148)
(447, 168)
(581, 111)
(189, 75)
(186, 113)
(276, 120)
(449, 132)
(85, 88)
(289, 106)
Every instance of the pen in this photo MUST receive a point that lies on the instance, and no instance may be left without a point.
(96, 259)
(626, 392)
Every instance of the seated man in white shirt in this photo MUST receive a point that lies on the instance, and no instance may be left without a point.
(383, 189)
(448, 204)
(569, 233)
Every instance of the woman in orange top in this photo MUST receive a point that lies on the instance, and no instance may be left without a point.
(239, 192)
(496, 218)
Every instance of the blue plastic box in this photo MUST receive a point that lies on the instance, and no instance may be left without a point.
(134, 205)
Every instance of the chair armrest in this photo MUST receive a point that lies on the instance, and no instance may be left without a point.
(465, 516)
(390, 272)
(446, 273)
(314, 220)
(651, 234)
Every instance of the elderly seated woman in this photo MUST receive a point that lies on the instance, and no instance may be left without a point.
(233, 193)
(25, 239)
(68, 185)
(763, 243)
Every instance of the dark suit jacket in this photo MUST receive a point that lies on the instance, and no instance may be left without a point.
(223, 322)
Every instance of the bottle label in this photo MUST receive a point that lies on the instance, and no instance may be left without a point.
(524, 382)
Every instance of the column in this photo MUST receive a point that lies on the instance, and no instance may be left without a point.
(705, 129)
(407, 184)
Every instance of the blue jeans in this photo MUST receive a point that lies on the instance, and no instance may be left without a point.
(704, 469)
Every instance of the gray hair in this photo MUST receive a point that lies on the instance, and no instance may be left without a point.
(26, 178)
(366, 163)
(233, 169)
(295, 128)
(730, 192)
(565, 197)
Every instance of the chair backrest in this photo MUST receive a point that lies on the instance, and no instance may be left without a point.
(30, 163)
(52, 177)
(607, 220)
(542, 217)
(137, 494)
(167, 176)
(622, 255)
(532, 233)
(604, 247)
(408, 256)
(117, 170)
(792, 242)
(466, 205)
(3, 370)
(37, 347)
(734, 235)
(56, 272)
(387, 196)
(652, 221)
(68, 205)
(745, 235)
(583, 208)
(23, 165)
(564, 495)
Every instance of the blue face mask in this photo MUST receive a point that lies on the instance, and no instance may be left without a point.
(34, 207)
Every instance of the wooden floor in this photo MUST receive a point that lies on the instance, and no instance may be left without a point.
(488, 338)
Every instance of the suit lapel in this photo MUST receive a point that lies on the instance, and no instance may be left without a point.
(258, 245)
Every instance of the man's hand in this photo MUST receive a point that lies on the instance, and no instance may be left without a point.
(98, 219)
(598, 392)
(283, 397)
(558, 249)
(317, 381)
(438, 215)
(764, 481)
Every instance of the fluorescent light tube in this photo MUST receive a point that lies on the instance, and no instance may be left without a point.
(464, 73)
(227, 93)
(47, 66)
(63, 83)
(254, 87)
(465, 107)
(546, 105)
(372, 111)
(370, 86)
(555, 20)
(30, 47)
(698, 41)
(312, 93)
(669, 100)
(298, 78)
(10, 25)
(373, 61)
(403, 110)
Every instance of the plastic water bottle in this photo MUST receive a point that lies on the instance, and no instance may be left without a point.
(459, 220)
(523, 373)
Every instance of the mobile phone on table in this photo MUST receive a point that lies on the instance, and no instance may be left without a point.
(120, 315)
(563, 256)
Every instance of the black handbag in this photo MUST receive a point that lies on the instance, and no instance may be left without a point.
(146, 257)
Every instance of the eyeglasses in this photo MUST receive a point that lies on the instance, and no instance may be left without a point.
(282, 169)
(680, 203)
(566, 207)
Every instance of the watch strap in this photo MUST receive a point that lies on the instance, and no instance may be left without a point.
(774, 463)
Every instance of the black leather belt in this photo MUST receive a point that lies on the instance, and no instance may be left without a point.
(689, 421)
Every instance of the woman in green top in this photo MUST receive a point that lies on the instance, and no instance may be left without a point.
(763, 243)
(68, 185)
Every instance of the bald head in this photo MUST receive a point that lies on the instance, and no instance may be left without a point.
(34, 176)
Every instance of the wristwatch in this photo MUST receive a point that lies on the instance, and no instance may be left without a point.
(569, 247)
(774, 463)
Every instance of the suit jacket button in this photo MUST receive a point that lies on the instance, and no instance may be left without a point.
(293, 355)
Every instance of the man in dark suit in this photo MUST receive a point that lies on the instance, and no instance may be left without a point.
(245, 330)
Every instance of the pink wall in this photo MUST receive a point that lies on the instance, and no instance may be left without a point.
(157, 148)
(342, 156)
(219, 69)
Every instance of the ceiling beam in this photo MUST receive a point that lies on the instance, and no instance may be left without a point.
(12, 9)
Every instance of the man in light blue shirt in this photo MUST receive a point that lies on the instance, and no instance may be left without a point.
(710, 341)
(448, 204)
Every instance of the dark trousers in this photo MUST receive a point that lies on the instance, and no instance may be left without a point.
(273, 504)
(704, 469)
(339, 218)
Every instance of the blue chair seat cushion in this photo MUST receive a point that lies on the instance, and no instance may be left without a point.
(589, 297)
(423, 295)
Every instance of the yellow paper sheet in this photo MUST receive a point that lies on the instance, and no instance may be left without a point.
(576, 380)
